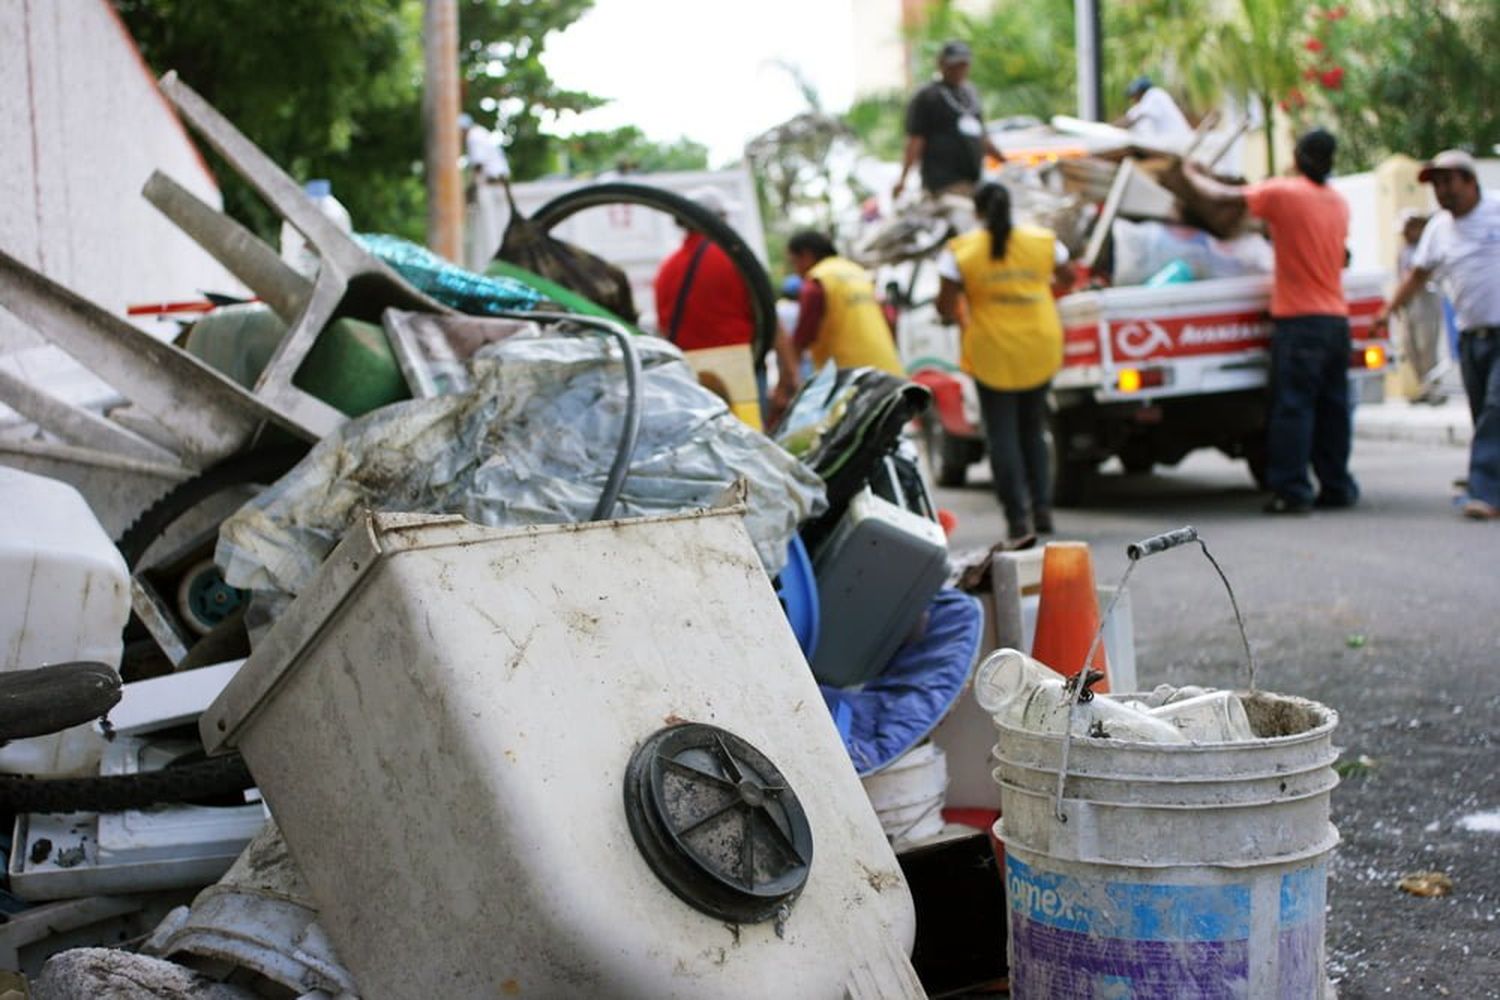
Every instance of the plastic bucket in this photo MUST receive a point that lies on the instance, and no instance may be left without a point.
(908, 795)
(1181, 870)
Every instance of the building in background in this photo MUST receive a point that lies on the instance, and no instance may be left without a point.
(82, 126)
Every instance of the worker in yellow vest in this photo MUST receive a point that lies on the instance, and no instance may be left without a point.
(838, 316)
(1012, 345)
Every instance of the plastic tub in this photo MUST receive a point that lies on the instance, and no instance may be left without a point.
(462, 732)
(67, 596)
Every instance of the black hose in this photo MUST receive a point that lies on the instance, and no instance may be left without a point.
(614, 483)
(694, 216)
(198, 779)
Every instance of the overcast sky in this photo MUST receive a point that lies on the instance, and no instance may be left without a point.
(703, 68)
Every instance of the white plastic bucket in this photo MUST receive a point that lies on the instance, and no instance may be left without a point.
(908, 795)
(1181, 870)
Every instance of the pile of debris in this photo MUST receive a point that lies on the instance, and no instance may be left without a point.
(541, 545)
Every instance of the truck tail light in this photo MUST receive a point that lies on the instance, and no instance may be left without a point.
(1136, 379)
(1372, 357)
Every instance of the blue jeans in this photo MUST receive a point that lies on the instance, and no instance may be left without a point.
(1015, 433)
(1310, 419)
(1479, 360)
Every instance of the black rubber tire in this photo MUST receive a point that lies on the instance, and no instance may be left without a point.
(1072, 476)
(265, 466)
(690, 213)
(1258, 458)
(953, 459)
(208, 778)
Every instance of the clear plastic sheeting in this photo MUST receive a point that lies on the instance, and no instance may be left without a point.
(531, 442)
(1144, 248)
(477, 294)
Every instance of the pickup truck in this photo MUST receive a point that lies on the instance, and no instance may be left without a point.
(1149, 375)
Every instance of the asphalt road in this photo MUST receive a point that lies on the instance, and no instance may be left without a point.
(1390, 613)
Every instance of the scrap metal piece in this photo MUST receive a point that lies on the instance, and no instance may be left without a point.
(350, 283)
(209, 416)
(241, 252)
(74, 424)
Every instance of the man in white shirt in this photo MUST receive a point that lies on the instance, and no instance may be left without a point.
(1461, 249)
(1153, 113)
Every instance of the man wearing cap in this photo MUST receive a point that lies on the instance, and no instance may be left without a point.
(945, 128)
(702, 301)
(1310, 419)
(1153, 113)
(1461, 249)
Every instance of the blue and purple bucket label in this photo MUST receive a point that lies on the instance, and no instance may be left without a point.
(1087, 939)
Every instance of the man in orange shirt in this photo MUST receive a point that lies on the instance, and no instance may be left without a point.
(1310, 420)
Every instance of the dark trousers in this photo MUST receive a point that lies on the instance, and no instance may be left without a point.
(1310, 420)
(1015, 430)
(1479, 360)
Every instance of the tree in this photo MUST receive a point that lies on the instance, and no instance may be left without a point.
(326, 89)
(333, 89)
(627, 149)
(501, 62)
(1406, 78)
(1023, 53)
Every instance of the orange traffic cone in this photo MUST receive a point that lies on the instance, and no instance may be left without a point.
(1068, 615)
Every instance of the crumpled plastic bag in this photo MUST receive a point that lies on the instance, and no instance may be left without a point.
(476, 294)
(1141, 249)
(531, 442)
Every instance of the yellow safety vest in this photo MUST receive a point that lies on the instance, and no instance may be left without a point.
(854, 332)
(1013, 339)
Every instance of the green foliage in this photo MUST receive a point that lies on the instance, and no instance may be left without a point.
(500, 57)
(326, 89)
(1168, 40)
(878, 121)
(1411, 78)
(334, 89)
(628, 149)
(1023, 53)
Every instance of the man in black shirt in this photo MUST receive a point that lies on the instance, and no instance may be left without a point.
(945, 128)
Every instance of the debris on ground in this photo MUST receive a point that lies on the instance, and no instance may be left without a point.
(1426, 884)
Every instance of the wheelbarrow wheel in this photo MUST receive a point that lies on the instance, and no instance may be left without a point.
(196, 593)
(257, 468)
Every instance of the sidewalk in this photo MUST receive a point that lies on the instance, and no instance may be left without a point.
(1398, 420)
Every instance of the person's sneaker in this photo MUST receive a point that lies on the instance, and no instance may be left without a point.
(1478, 510)
(1283, 505)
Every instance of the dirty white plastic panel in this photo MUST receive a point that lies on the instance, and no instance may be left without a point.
(67, 855)
(442, 724)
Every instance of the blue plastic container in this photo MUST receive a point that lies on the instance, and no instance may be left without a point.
(797, 589)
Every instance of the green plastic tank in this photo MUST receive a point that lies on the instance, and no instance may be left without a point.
(351, 366)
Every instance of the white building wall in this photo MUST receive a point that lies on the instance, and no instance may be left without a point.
(82, 127)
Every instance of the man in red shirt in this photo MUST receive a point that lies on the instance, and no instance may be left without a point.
(1310, 419)
(701, 301)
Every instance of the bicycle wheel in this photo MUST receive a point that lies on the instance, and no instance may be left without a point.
(691, 214)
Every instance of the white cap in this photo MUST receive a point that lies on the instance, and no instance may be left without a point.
(715, 200)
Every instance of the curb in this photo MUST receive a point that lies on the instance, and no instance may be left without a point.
(1446, 426)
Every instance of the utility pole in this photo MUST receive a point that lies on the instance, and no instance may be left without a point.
(1088, 45)
(440, 109)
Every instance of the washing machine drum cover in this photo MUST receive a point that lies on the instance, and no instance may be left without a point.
(898, 709)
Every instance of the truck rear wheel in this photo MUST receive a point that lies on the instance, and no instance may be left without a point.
(1257, 457)
(952, 457)
(1072, 474)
